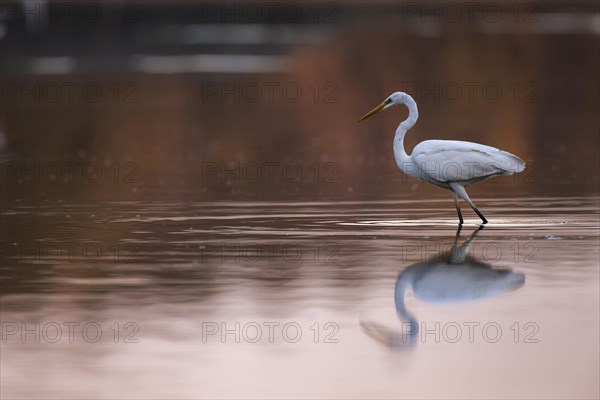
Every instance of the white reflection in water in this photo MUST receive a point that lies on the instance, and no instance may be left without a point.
(445, 278)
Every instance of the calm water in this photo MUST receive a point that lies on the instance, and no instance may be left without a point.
(301, 299)
(197, 231)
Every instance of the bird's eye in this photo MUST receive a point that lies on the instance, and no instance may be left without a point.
(388, 101)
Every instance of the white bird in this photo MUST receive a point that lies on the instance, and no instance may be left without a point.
(450, 164)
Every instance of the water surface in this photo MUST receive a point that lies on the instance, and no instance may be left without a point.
(301, 299)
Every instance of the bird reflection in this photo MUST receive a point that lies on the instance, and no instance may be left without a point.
(448, 277)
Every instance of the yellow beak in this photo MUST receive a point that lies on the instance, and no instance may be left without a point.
(372, 112)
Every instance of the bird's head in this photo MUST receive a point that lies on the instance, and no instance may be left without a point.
(392, 100)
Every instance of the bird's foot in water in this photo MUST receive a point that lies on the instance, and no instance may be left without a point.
(460, 218)
(483, 220)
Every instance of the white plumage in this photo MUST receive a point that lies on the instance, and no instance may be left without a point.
(465, 162)
(451, 164)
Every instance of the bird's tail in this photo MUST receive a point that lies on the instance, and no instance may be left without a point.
(512, 164)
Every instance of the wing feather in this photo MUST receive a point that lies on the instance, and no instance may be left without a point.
(458, 161)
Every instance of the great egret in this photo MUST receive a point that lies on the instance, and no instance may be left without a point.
(450, 164)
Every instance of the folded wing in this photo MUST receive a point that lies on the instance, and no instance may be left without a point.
(458, 161)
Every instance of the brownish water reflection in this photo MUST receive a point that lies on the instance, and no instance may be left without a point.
(182, 131)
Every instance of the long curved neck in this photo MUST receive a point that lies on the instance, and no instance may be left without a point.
(413, 114)
(403, 284)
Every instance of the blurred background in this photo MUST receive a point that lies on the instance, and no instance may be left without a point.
(156, 155)
(174, 93)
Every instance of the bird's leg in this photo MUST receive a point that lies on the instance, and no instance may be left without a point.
(485, 221)
(460, 190)
(460, 218)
